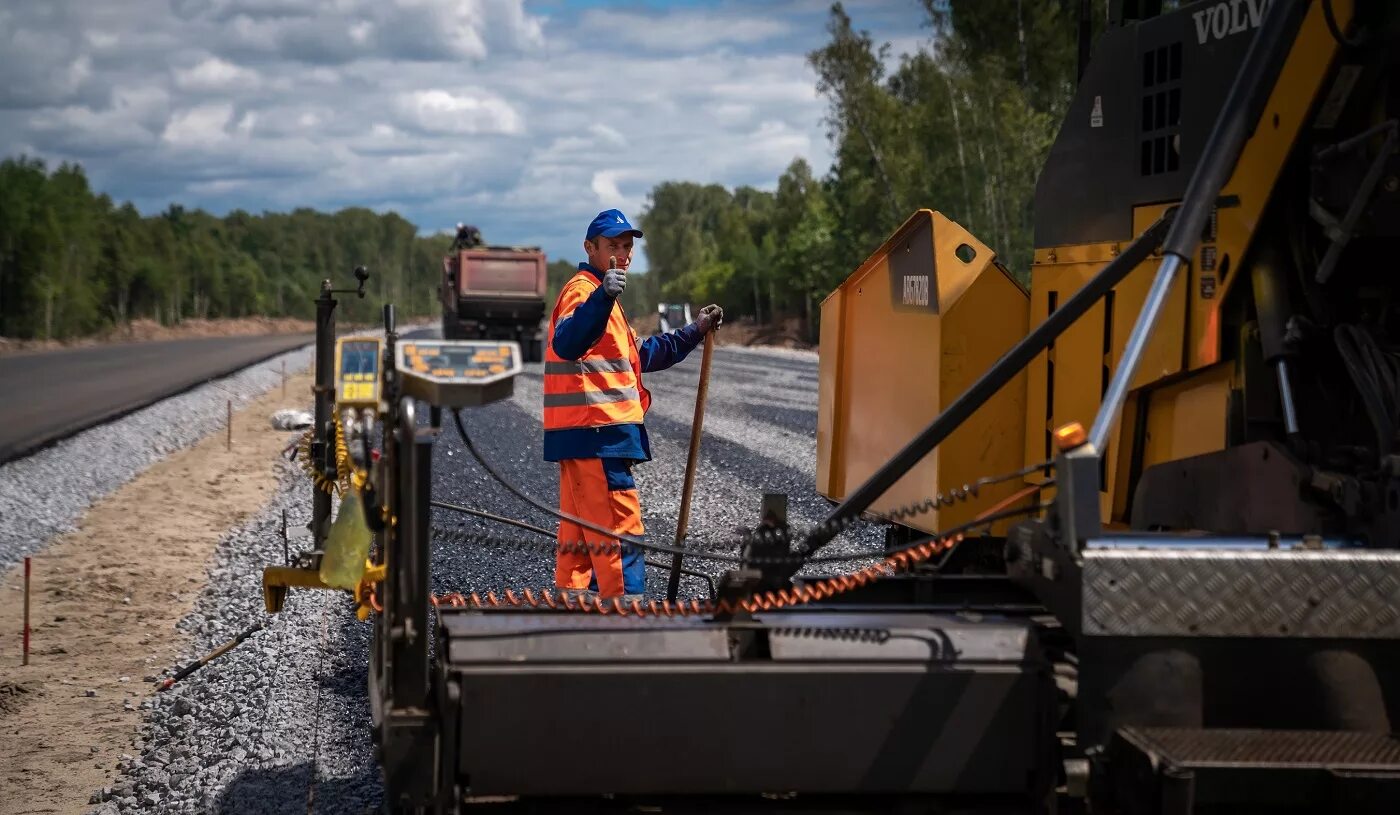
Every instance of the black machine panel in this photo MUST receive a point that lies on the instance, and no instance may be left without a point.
(1140, 118)
(822, 702)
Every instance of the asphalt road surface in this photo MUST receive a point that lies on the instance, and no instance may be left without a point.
(49, 395)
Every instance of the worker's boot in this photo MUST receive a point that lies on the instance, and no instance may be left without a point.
(584, 596)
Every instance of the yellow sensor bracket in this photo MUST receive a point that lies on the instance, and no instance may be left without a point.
(357, 371)
(458, 373)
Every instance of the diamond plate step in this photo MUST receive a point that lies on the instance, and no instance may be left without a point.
(1183, 770)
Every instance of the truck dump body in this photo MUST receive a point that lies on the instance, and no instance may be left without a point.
(500, 274)
(495, 293)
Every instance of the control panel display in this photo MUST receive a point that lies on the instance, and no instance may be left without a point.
(458, 373)
(357, 371)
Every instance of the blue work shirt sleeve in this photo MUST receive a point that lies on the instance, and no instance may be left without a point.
(584, 325)
(664, 350)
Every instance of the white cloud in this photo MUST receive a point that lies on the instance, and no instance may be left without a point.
(438, 111)
(214, 74)
(84, 130)
(202, 126)
(485, 111)
(605, 187)
(608, 134)
(220, 186)
(338, 33)
(679, 31)
(360, 31)
(79, 70)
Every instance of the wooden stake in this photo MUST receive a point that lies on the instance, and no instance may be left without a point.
(228, 445)
(284, 379)
(674, 584)
(26, 610)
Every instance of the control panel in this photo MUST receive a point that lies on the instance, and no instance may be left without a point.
(458, 373)
(357, 371)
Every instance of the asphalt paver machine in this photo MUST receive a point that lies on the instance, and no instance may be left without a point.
(1164, 580)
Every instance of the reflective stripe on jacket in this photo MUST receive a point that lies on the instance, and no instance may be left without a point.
(604, 386)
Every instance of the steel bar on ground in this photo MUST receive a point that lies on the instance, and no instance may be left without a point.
(211, 656)
(26, 609)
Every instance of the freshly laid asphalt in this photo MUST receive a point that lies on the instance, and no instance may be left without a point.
(48, 395)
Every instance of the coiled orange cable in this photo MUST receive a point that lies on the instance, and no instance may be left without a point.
(555, 599)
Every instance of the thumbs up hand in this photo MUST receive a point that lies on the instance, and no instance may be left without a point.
(615, 280)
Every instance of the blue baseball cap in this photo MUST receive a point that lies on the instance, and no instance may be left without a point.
(610, 223)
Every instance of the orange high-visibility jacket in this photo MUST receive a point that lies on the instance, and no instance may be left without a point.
(604, 386)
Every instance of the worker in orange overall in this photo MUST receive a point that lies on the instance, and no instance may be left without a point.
(594, 407)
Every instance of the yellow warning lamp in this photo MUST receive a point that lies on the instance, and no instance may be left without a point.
(1070, 436)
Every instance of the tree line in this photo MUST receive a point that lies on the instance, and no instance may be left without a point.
(962, 125)
(73, 262)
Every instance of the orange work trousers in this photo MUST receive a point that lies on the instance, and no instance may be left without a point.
(602, 492)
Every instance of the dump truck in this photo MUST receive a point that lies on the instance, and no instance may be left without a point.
(495, 292)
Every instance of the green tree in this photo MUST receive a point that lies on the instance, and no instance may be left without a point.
(962, 125)
(72, 262)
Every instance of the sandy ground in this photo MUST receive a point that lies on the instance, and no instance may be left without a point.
(104, 604)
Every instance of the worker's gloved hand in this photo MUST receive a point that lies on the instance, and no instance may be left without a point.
(711, 317)
(614, 280)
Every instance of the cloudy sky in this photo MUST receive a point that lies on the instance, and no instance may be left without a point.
(525, 117)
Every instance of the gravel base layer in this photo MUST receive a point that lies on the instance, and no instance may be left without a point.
(281, 723)
(278, 724)
(43, 495)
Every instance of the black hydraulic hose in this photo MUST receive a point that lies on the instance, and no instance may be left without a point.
(564, 516)
(1376, 380)
(500, 519)
(1330, 16)
(709, 581)
(700, 553)
(1011, 363)
(547, 534)
(542, 507)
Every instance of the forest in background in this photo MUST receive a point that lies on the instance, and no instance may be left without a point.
(962, 125)
(73, 262)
